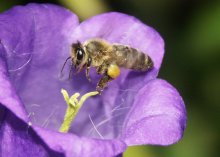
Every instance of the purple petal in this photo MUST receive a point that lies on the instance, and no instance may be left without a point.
(19, 138)
(158, 116)
(36, 42)
(73, 145)
(8, 95)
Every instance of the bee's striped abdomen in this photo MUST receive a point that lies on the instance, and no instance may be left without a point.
(131, 58)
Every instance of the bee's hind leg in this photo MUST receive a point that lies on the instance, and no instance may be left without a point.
(103, 83)
(110, 72)
(102, 70)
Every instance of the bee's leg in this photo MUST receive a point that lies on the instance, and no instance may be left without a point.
(87, 73)
(102, 70)
(88, 68)
(79, 69)
(103, 83)
(110, 71)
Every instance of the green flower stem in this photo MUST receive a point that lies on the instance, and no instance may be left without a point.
(73, 107)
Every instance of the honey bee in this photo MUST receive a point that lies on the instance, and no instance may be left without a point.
(107, 59)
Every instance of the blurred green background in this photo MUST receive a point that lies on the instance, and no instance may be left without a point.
(191, 30)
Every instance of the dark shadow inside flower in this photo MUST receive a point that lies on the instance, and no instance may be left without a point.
(36, 55)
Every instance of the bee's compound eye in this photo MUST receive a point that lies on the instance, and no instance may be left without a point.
(79, 53)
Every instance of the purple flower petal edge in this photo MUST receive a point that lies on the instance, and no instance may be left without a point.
(18, 137)
(158, 116)
(8, 95)
(73, 145)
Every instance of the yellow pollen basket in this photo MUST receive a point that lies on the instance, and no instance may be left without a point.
(113, 71)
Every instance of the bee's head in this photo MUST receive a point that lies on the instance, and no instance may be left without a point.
(78, 55)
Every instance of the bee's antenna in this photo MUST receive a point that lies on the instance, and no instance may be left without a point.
(64, 64)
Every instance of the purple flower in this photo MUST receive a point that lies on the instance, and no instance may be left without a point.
(135, 109)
